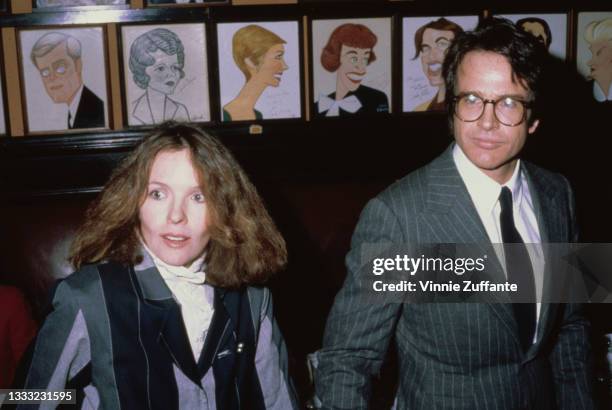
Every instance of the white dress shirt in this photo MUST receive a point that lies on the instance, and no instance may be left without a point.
(485, 192)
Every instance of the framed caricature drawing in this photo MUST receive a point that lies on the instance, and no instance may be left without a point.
(351, 65)
(64, 79)
(594, 52)
(165, 73)
(259, 70)
(425, 41)
(549, 29)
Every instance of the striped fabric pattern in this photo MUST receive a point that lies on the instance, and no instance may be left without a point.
(117, 336)
(453, 356)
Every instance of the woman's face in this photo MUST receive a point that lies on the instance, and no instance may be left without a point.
(165, 73)
(173, 216)
(353, 66)
(272, 65)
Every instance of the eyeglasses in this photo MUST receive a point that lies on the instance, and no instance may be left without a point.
(510, 111)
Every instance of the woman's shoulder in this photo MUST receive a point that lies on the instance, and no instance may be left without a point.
(90, 279)
(260, 299)
(83, 276)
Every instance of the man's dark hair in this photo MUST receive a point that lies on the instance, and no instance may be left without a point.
(523, 52)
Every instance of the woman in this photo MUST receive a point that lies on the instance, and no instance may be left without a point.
(157, 58)
(165, 309)
(258, 53)
(598, 35)
(348, 52)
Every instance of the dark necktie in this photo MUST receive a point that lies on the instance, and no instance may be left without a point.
(69, 118)
(519, 270)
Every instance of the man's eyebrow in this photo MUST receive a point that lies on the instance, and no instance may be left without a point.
(58, 62)
(497, 97)
(438, 39)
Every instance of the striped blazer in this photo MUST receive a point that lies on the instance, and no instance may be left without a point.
(116, 335)
(453, 356)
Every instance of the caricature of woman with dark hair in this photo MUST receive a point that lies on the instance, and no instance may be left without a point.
(157, 58)
(348, 52)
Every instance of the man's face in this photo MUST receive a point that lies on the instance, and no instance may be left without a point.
(353, 66)
(601, 62)
(536, 30)
(61, 75)
(433, 49)
(490, 145)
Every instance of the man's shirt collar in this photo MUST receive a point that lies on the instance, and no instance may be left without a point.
(484, 190)
(599, 94)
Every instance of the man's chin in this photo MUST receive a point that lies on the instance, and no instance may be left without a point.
(59, 100)
(435, 81)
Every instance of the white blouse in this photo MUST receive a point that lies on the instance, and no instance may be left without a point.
(193, 296)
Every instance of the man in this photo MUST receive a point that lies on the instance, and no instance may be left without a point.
(431, 42)
(538, 28)
(468, 355)
(57, 56)
(599, 36)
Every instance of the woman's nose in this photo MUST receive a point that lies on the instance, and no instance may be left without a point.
(176, 214)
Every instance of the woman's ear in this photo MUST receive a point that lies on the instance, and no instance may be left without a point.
(250, 65)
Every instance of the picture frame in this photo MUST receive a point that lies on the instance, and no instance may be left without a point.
(272, 83)
(3, 113)
(594, 52)
(422, 81)
(549, 28)
(183, 3)
(363, 75)
(170, 83)
(66, 5)
(64, 75)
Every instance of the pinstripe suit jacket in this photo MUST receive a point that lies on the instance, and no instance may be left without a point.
(453, 356)
(117, 336)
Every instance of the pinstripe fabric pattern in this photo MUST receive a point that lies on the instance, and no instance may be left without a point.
(452, 356)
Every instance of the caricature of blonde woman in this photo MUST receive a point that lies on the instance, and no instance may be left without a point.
(259, 54)
(599, 36)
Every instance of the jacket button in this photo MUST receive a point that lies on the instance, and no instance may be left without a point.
(240, 347)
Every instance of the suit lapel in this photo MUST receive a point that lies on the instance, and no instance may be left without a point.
(552, 230)
(220, 329)
(142, 109)
(450, 200)
(162, 315)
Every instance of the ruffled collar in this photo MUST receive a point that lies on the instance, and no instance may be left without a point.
(194, 273)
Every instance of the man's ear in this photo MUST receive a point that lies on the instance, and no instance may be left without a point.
(78, 65)
(533, 127)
